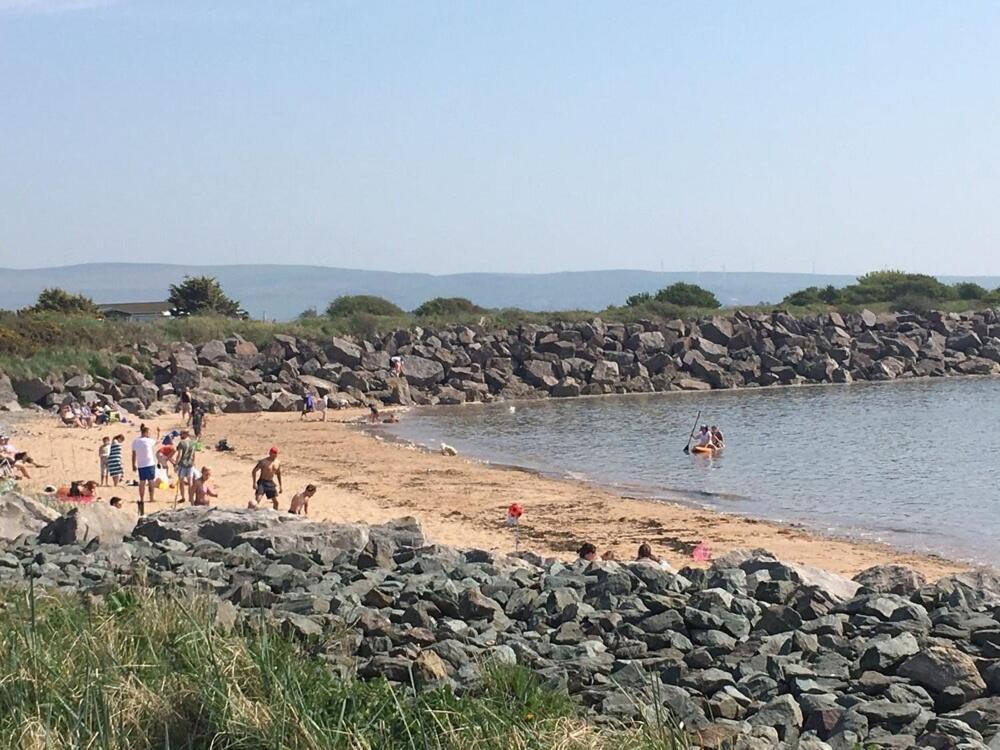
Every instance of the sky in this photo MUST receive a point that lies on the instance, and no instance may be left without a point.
(502, 136)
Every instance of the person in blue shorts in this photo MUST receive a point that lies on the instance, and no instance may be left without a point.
(144, 462)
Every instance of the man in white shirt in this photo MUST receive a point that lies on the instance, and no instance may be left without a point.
(144, 461)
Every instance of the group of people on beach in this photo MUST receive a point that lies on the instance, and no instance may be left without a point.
(86, 415)
(154, 459)
(588, 553)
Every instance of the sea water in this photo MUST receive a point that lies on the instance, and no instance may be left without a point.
(912, 463)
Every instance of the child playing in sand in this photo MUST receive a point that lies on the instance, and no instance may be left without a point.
(300, 502)
(102, 454)
(202, 488)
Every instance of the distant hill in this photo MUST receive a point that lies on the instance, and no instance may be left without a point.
(282, 292)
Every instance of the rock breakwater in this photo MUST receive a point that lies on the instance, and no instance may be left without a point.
(749, 653)
(462, 364)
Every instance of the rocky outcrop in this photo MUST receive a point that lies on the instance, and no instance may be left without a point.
(93, 522)
(22, 515)
(749, 653)
(460, 364)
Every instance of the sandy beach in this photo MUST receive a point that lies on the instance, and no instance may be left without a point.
(459, 501)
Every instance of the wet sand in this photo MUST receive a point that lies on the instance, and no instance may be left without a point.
(459, 501)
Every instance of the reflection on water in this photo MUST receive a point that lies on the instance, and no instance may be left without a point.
(912, 463)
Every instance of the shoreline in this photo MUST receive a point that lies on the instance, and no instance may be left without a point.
(460, 501)
(678, 498)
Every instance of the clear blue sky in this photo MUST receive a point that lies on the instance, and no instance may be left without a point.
(502, 136)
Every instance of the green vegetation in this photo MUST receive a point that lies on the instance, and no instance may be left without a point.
(41, 342)
(60, 301)
(142, 670)
(362, 304)
(203, 295)
(679, 295)
(445, 307)
(915, 292)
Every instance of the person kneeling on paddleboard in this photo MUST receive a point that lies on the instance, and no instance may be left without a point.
(718, 441)
(704, 438)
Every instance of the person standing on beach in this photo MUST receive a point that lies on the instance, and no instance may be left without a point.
(184, 456)
(184, 405)
(103, 452)
(116, 469)
(266, 478)
(144, 462)
(198, 418)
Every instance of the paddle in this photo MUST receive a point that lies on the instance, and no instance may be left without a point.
(687, 448)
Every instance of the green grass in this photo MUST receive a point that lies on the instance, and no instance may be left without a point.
(145, 670)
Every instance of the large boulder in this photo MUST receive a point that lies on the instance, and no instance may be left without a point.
(212, 352)
(127, 375)
(422, 372)
(184, 371)
(31, 390)
(8, 396)
(344, 352)
(941, 668)
(22, 515)
(86, 523)
(890, 579)
(269, 529)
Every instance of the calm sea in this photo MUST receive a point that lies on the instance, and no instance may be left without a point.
(911, 463)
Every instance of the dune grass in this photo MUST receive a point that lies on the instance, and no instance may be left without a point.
(144, 670)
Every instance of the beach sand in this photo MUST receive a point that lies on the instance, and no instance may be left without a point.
(459, 502)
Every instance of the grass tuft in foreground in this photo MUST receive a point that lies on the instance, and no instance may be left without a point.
(144, 669)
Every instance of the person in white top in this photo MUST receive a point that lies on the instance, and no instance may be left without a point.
(704, 436)
(144, 462)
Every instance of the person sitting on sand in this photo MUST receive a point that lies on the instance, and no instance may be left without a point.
(300, 501)
(608, 556)
(202, 488)
(266, 478)
(115, 502)
(718, 441)
(587, 552)
(69, 419)
(646, 556)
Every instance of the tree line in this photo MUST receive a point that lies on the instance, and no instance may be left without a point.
(904, 291)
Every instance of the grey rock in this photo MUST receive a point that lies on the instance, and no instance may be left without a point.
(940, 667)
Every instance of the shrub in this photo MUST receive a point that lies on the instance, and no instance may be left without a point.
(913, 303)
(348, 305)
(888, 286)
(55, 300)
(636, 300)
(687, 295)
(969, 290)
(448, 307)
